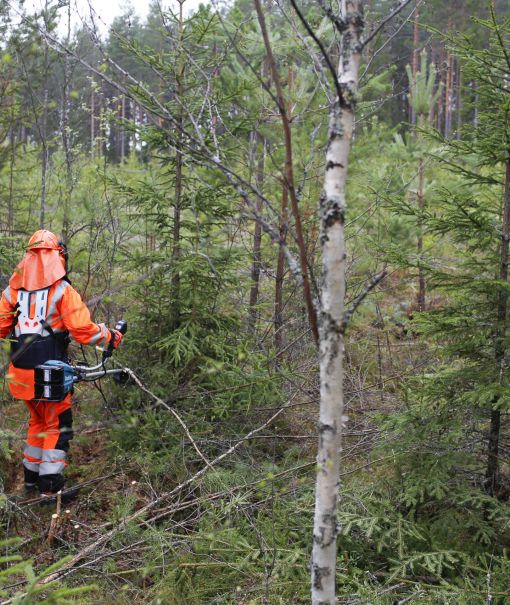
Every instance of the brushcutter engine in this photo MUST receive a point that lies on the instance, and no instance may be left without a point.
(54, 379)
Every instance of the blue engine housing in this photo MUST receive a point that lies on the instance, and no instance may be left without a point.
(53, 380)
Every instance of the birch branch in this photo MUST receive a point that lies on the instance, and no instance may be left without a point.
(337, 20)
(360, 298)
(324, 53)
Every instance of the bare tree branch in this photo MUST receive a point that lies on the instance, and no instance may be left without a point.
(337, 20)
(141, 386)
(385, 21)
(361, 297)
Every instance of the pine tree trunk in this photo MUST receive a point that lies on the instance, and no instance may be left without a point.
(12, 148)
(134, 110)
(66, 143)
(416, 44)
(448, 95)
(476, 104)
(44, 169)
(280, 272)
(176, 249)
(122, 129)
(44, 127)
(101, 124)
(421, 205)
(92, 122)
(492, 474)
(440, 99)
(333, 205)
(257, 235)
(459, 100)
(279, 339)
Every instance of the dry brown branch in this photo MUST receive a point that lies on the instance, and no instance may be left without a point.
(289, 173)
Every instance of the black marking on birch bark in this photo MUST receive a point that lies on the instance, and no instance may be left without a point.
(350, 94)
(318, 574)
(330, 165)
(355, 17)
(346, 50)
(340, 23)
(330, 324)
(323, 237)
(331, 531)
(336, 131)
(333, 211)
(322, 429)
(332, 331)
(328, 531)
(335, 351)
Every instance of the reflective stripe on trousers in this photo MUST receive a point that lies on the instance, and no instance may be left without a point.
(32, 457)
(31, 466)
(53, 462)
(31, 451)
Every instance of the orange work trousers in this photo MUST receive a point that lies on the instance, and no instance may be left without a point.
(49, 433)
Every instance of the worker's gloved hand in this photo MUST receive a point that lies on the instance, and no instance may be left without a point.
(116, 338)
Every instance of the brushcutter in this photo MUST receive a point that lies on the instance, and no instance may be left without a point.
(55, 378)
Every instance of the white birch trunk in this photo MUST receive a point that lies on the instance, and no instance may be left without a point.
(333, 204)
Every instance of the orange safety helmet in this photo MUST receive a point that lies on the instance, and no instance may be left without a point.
(43, 264)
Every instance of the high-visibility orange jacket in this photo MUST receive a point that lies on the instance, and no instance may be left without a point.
(65, 311)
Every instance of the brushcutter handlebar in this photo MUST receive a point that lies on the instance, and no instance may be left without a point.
(120, 326)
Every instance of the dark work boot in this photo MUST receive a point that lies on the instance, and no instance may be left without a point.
(31, 482)
(51, 483)
(31, 490)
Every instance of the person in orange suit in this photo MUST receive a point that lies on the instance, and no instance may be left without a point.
(39, 312)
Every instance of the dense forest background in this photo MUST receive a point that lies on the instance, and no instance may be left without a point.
(157, 151)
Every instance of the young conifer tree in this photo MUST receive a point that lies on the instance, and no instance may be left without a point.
(456, 412)
(423, 94)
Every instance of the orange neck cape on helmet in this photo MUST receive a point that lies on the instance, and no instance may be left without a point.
(42, 265)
